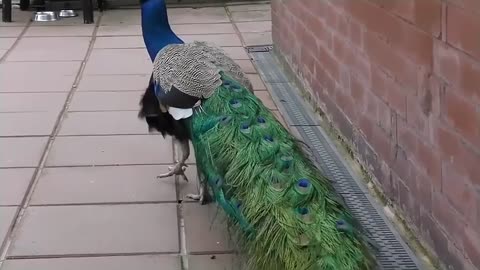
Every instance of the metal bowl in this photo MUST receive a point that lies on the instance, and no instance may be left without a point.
(46, 16)
(67, 13)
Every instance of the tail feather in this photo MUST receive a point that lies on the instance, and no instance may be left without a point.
(287, 211)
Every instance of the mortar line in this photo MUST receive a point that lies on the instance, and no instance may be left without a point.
(29, 192)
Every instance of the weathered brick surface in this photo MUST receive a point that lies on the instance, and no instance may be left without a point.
(401, 80)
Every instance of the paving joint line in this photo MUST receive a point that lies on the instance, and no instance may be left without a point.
(34, 180)
(14, 45)
(90, 255)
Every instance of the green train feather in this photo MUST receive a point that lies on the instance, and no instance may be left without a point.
(285, 213)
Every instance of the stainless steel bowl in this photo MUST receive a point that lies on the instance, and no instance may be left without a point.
(67, 13)
(46, 16)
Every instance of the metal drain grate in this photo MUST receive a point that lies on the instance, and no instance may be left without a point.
(394, 254)
(265, 48)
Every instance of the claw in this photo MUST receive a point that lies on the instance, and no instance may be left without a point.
(177, 169)
(203, 197)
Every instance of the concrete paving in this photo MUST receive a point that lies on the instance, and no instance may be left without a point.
(77, 167)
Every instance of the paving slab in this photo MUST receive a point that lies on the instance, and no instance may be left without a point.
(121, 17)
(60, 31)
(256, 39)
(236, 53)
(105, 184)
(119, 42)
(102, 123)
(7, 214)
(197, 15)
(223, 40)
(201, 29)
(252, 7)
(27, 123)
(125, 82)
(266, 99)
(214, 262)
(205, 230)
(48, 76)
(110, 150)
(280, 118)
(6, 43)
(246, 66)
(32, 102)
(97, 229)
(119, 30)
(145, 262)
(21, 151)
(50, 49)
(11, 31)
(14, 184)
(105, 101)
(257, 82)
(3, 52)
(246, 27)
(118, 62)
(252, 15)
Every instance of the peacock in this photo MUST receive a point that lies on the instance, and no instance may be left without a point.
(284, 212)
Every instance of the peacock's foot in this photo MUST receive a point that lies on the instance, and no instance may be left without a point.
(203, 197)
(177, 169)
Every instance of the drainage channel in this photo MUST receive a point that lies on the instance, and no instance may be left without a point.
(394, 254)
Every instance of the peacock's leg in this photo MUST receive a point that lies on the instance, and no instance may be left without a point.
(180, 166)
(203, 196)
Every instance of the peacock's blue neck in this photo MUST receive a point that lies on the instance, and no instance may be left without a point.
(156, 28)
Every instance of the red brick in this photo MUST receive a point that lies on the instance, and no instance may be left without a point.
(401, 165)
(405, 38)
(425, 14)
(388, 90)
(342, 25)
(406, 137)
(382, 144)
(347, 104)
(355, 34)
(407, 201)
(321, 8)
(341, 49)
(426, 158)
(322, 33)
(384, 117)
(416, 116)
(471, 243)
(471, 5)
(461, 24)
(458, 190)
(462, 115)
(452, 221)
(424, 189)
(458, 69)
(389, 59)
(345, 53)
(358, 91)
(323, 78)
(329, 63)
(447, 141)
(360, 65)
(440, 242)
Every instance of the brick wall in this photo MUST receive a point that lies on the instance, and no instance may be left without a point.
(400, 79)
